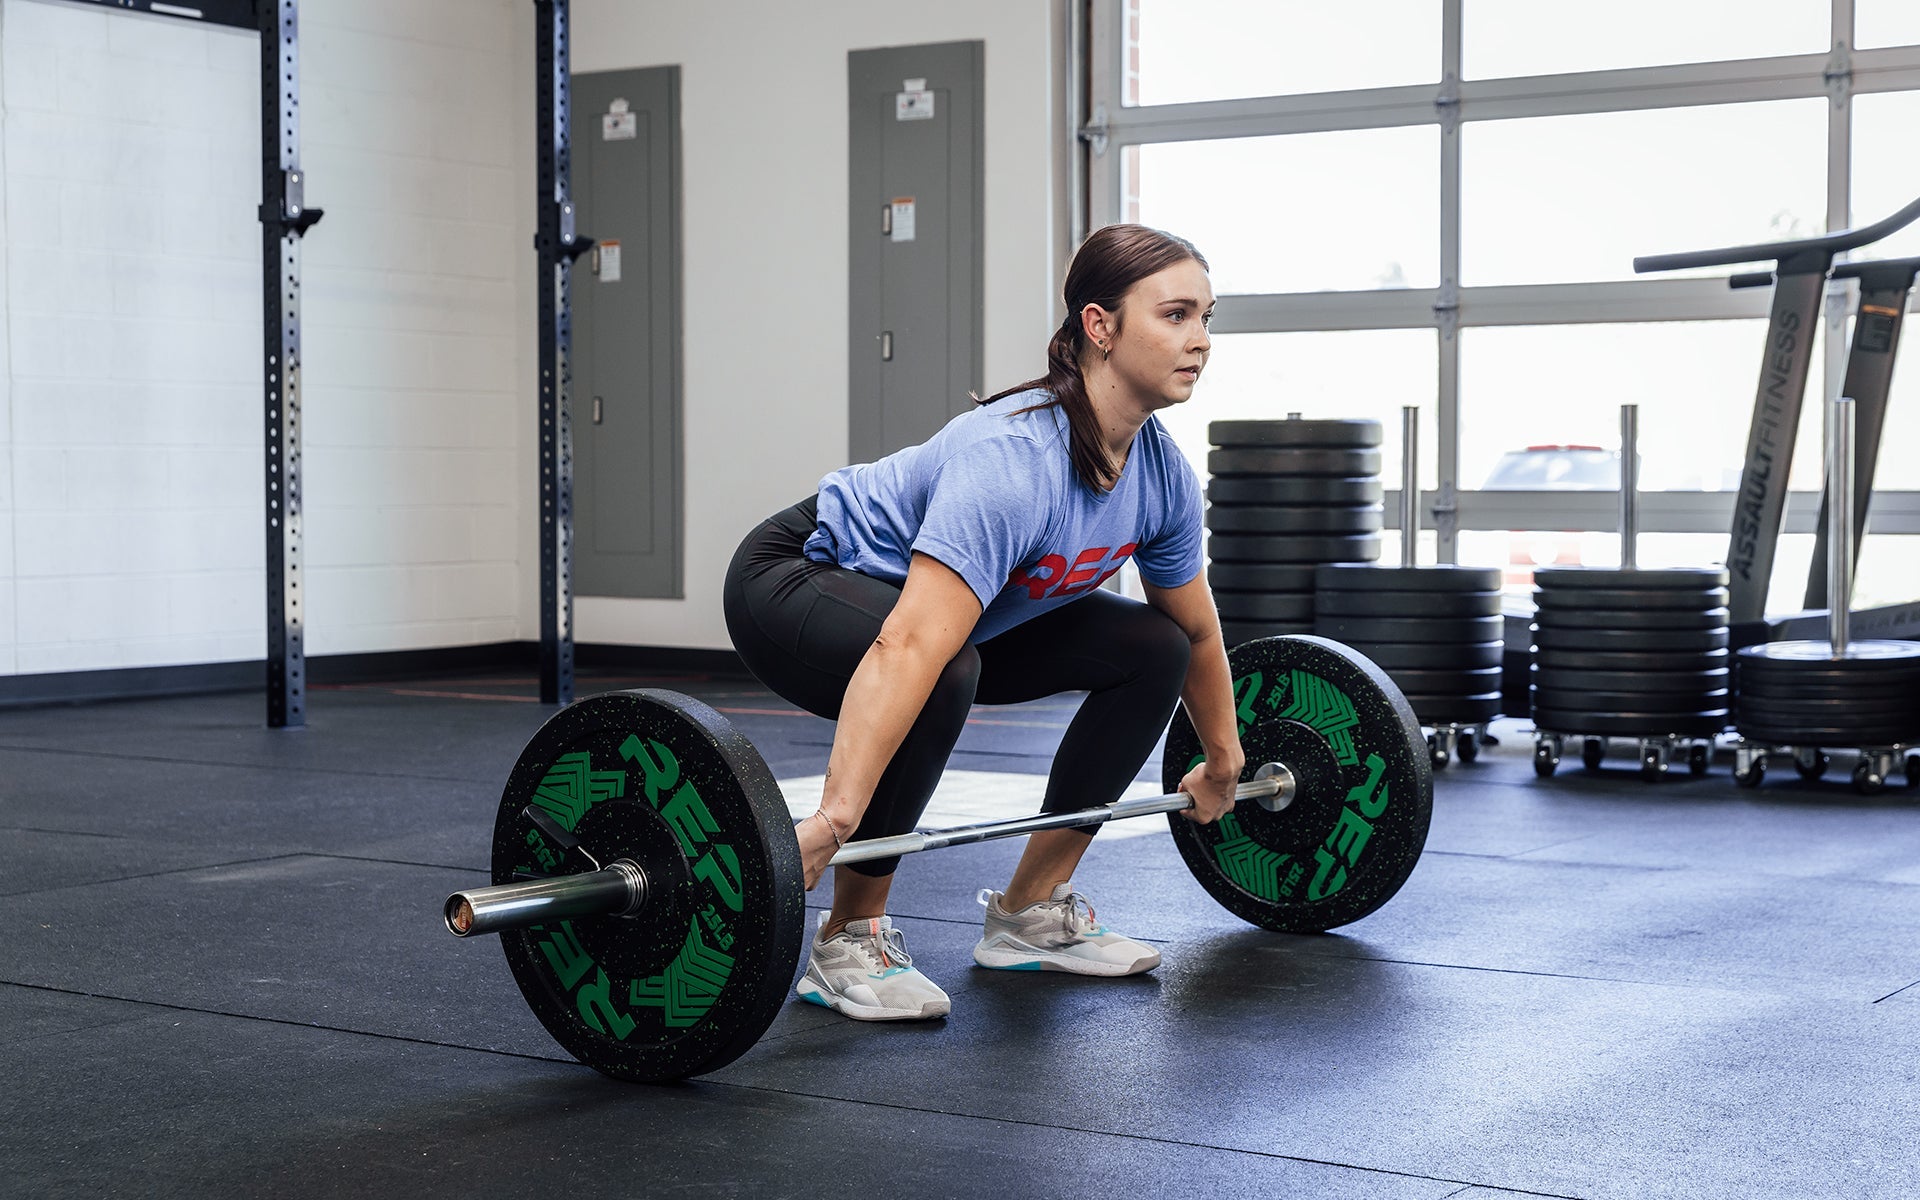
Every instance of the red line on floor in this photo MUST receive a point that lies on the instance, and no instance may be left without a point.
(464, 695)
(423, 692)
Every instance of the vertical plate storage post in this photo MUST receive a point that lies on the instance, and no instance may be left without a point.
(556, 247)
(284, 218)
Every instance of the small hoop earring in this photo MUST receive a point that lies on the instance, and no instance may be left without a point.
(1105, 353)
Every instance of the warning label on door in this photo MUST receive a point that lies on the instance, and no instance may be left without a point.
(620, 123)
(902, 218)
(913, 105)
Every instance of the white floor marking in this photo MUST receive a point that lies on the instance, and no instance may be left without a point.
(969, 797)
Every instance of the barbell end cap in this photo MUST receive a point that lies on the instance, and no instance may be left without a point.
(459, 914)
(1284, 788)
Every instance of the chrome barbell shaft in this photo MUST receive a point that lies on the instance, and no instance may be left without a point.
(1275, 782)
(621, 888)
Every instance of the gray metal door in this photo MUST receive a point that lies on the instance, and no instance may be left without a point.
(916, 136)
(628, 492)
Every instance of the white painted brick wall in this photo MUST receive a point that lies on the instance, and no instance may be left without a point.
(130, 424)
(11, 217)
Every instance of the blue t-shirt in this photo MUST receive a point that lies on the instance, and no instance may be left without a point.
(994, 497)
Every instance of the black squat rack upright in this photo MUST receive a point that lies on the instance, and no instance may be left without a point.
(557, 247)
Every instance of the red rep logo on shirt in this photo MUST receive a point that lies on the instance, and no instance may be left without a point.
(1050, 576)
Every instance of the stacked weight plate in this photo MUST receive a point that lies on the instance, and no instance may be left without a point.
(1436, 631)
(1285, 497)
(1631, 653)
(1796, 694)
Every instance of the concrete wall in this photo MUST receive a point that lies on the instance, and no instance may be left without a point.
(764, 103)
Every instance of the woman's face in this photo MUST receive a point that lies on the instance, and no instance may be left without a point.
(1161, 343)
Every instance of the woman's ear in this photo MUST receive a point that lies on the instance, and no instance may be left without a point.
(1099, 326)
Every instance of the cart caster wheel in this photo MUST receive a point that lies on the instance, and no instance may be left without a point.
(1591, 752)
(1651, 768)
(1913, 770)
(1751, 776)
(1469, 747)
(1697, 759)
(1543, 760)
(1812, 766)
(1867, 781)
(1435, 751)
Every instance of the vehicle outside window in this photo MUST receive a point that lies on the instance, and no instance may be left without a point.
(1545, 468)
(1573, 468)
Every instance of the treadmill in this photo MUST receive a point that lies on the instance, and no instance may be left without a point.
(1801, 269)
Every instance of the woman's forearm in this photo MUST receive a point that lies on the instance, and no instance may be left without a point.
(1208, 695)
(883, 699)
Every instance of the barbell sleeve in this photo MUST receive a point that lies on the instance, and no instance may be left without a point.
(615, 890)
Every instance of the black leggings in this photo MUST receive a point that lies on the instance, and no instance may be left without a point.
(803, 626)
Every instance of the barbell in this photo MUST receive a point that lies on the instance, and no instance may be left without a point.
(619, 889)
(647, 885)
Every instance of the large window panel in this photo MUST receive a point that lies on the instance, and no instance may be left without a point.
(1371, 373)
(1886, 169)
(1342, 211)
(1518, 551)
(1550, 201)
(1898, 467)
(1526, 37)
(1888, 570)
(1190, 50)
(1568, 199)
(1886, 23)
(1556, 385)
(1793, 555)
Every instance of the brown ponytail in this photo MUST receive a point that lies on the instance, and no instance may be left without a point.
(1110, 261)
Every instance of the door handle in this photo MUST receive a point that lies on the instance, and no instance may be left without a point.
(599, 410)
(886, 346)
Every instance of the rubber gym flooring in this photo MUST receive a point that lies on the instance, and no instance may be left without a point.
(222, 972)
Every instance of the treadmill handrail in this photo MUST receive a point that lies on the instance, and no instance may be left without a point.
(1846, 270)
(1831, 244)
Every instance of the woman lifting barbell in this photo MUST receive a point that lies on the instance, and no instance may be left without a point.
(967, 569)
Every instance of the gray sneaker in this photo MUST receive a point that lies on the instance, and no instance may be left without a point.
(1057, 934)
(865, 972)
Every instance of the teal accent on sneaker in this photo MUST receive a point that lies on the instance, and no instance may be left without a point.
(1056, 934)
(865, 972)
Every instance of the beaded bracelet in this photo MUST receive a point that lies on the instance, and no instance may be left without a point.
(837, 841)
